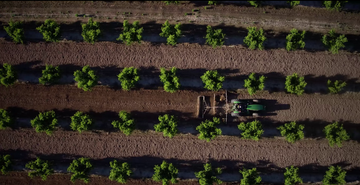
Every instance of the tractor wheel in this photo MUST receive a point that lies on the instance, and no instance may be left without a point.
(234, 100)
(255, 114)
(235, 114)
(256, 101)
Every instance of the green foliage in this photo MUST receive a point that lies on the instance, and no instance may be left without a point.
(255, 39)
(170, 80)
(131, 33)
(334, 41)
(50, 75)
(336, 86)
(335, 175)
(293, 3)
(119, 172)
(164, 173)
(15, 31)
(81, 169)
(42, 168)
(208, 175)
(91, 31)
(291, 176)
(292, 131)
(170, 2)
(334, 5)
(81, 122)
(172, 32)
(5, 164)
(250, 177)
(252, 130)
(126, 123)
(212, 80)
(5, 119)
(295, 84)
(212, 2)
(255, 3)
(336, 134)
(167, 125)
(50, 30)
(45, 122)
(8, 75)
(295, 40)
(128, 77)
(252, 84)
(208, 129)
(214, 37)
(86, 78)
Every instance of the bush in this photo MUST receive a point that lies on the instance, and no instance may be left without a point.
(81, 122)
(214, 37)
(169, 2)
(5, 164)
(167, 125)
(334, 5)
(336, 86)
(295, 40)
(126, 123)
(252, 84)
(334, 41)
(212, 80)
(336, 134)
(8, 75)
(208, 130)
(42, 168)
(164, 173)
(212, 2)
(252, 130)
(15, 31)
(292, 131)
(131, 33)
(255, 3)
(255, 39)
(170, 80)
(293, 3)
(335, 175)
(119, 172)
(50, 75)
(86, 78)
(91, 31)
(50, 30)
(208, 175)
(172, 32)
(81, 169)
(5, 119)
(45, 122)
(291, 176)
(295, 84)
(128, 78)
(250, 177)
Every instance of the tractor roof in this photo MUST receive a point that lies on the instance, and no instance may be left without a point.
(255, 107)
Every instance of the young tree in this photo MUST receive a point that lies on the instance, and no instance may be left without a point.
(45, 122)
(208, 129)
(334, 5)
(293, 3)
(335, 87)
(91, 31)
(5, 119)
(250, 177)
(252, 130)
(164, 173)
(255, 39)
(334, 41)
(291, 176)
(295, 84)
(8, 75)
(50, 30)
(214, 37)
(167, 125)
(170, 80)
(131, 33)
(172, 32)
(5, 164)
(170, 2)
(252, 84)
(39, 168)
(335, 175)
(292, 131)
(81, 169)
(212, 80)
(208, 175)
(81, 122)
(86, 78)
(15, 31)
(212, 2)
(255, 3)
(128, 77)
(295, 40)
(50, 75)
(336, 134)
(126, 123)
(119, 172)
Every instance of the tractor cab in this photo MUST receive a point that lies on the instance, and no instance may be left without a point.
(246, 108)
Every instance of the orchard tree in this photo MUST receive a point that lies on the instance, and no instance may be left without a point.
(292, 131)
(120, 172)
(131, 33)
(208, 175)
(208, 129)
(91, 31)
(252, 84)
(334, 5)
(86, 78)
(165, 172)
(81, 122)
(50, 75)
(250, 177)
(167, 125)
(126, 123)
(214, 37)
(212, 2)
(255, 39)
(335, 87)
(39, 168)
(212, 80)
(81, 169)
(128, 77)
(295, 84)
(171, 32)
(170, 80)
(291, 176)
(293, 3)
(255, 3)
(50, 30)
(171, 2)
(45, 122)
(336, 134)
(252, 130)
(15, 31)
(8, 75)
(5, 164)
(5, 119)
(334, 41)
(295, 40)
(335, 175)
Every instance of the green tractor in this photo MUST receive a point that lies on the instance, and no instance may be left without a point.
(246, 108)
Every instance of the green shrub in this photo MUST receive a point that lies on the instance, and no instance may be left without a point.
(252, 84)
(335, 175)
(50, 75)
(42, 168)
(81, 122)
(334, 41)
(165, 172)
(172, 32)
(252, 130)
(126, 123)
(212, 2)
(170, 2)
(295, 84)
(336, 134)
(50, 30)
(8, 75)
(208, 175)
(334, 5)
(5, 164)
(131, 33)
(255, 3)
(214, 37)
(208, 129)
(86, 78)
(255, 39)
(91, 31)
(167, 125)
(119, 172)
(291, 176)
(15, 31)
(295, 40)
(293, 3)
(336, 86)
(250, 177)
(128, 77)
(45, 122)
(212, 80)
(170, 80)
(292, 131)
(5, 119)
(81, 169)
